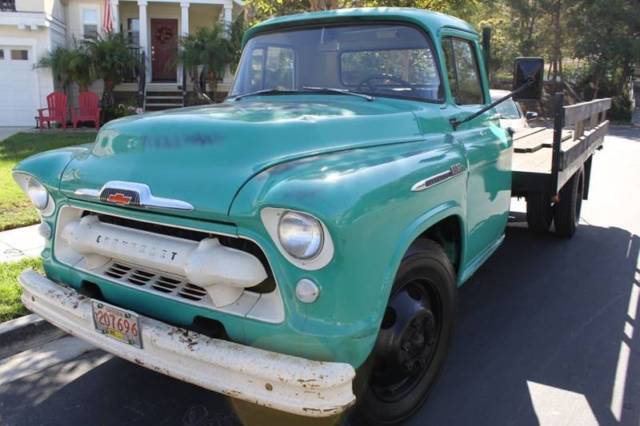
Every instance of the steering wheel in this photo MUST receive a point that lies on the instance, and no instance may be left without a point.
(367, 81)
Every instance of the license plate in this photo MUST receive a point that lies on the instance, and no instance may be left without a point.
(119, 324)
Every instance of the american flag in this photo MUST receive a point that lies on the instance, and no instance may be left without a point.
(107, 23)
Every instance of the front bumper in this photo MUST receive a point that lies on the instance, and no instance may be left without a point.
(282, 382)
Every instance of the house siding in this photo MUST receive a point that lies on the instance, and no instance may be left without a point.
(38, 45)
(203, 15)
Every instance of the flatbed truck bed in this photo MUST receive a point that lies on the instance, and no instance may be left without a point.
(544, 159)
(551, 167)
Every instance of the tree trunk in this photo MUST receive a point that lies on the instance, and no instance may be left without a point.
(557, 46)
(213, 82)
(107, 94)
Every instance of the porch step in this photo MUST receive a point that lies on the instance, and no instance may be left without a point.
(177, 98)
(160, 96)
(162, 87)
(161, 107)
(176, 93)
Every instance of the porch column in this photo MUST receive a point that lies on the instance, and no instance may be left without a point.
(228, 21)
(184, 18)
(228, 16)
(115, 16)
(184, 31)
(144, 36)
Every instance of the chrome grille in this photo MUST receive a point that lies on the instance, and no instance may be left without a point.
(155, 281)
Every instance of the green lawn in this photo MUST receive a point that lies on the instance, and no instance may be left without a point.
(15, 207)
(10, 304)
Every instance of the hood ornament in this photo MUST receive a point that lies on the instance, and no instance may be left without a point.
(132, 194)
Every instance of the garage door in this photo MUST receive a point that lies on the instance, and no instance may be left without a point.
(18, 86)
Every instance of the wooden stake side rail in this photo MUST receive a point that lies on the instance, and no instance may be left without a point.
(545, 159)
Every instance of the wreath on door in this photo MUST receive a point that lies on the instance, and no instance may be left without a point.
(164, 34)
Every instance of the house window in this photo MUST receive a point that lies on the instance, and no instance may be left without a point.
(133, 31)
(90, 23)
(19, 55)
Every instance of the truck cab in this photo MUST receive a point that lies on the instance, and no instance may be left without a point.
(299, 245)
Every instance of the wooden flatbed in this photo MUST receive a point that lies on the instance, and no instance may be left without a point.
(544, 159)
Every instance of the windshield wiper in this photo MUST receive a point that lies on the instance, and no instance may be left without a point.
(265, 92)
(340, 91)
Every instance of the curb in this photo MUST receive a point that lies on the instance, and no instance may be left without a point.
(25, 333)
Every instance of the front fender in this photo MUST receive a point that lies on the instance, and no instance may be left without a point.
(364, 198)
(430, 218)
(48, 167)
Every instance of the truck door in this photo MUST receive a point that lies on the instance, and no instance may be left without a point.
(486, 146)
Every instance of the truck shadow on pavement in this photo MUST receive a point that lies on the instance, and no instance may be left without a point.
(545, 333)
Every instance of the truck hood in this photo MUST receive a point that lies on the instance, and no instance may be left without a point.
(203, 155)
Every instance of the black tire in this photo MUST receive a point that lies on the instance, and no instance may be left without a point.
(539, 212)
(566, 213)
(425, 275)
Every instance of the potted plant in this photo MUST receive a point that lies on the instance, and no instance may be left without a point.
(208, 47)
(112, 59)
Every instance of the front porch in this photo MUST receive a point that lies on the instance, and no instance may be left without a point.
(155, 28)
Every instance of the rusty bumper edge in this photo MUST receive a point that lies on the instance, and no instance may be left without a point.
(282, 382)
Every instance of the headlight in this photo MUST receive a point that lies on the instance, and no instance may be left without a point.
(300, 235)
(37, 194)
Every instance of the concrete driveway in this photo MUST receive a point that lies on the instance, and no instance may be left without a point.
(5, 132)
(546, 335)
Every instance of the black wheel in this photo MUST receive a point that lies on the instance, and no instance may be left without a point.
(413, 339)
(539, 212)
(566, 213)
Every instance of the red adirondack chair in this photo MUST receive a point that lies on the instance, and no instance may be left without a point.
(56, 110)
(87, 110)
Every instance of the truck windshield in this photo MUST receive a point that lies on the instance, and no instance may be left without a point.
(377, 60)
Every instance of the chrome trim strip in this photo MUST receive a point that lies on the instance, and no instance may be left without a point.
(96, 209)
(85, 192)
(433, 180)
(146, 198)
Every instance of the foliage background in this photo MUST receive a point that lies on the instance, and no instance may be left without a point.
(590, 46)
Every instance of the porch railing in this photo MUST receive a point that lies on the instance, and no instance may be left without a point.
(133, 71)
(136, 73)
(183, 86)
(142, 79)
(199, 84)
(8, 5)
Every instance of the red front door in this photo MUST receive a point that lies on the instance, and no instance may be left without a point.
(164, 48)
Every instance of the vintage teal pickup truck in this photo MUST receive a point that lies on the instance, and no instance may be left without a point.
(300, 245)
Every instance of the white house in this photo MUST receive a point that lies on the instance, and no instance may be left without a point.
(30, 28)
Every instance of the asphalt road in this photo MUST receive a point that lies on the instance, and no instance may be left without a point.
(545, 335)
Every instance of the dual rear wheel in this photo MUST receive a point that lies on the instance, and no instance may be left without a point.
(565, 214)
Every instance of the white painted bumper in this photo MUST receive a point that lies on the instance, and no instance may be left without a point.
(283, 382)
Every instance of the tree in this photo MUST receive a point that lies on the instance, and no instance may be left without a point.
(70, 65)
(58, 60)
(463, 9)
(81, 66)
(111, 61)
(238, 27)
(210, 47)
(259, 10)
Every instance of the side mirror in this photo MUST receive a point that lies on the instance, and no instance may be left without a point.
(528, 70)
(530, 115)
